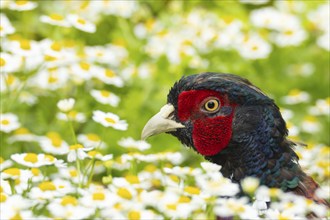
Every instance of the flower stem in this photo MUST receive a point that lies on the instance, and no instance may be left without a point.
(92, 173)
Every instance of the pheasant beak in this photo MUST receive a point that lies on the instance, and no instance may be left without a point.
(161, 122)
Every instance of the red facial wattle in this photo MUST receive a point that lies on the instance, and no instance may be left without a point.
(210, 134)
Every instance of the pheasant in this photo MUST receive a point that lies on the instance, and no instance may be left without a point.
(234, 124)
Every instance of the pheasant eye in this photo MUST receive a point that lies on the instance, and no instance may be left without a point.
(212, 105)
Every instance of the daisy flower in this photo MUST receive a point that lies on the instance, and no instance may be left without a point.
(109, 120)
(98, 156)
(77, 151)
(49, 79)
(51, 189)
(290, 36)
(11, 173)
(20, 177)
(123, 194)
(71, 173)
(27, 98)
(254, 2)
(97, 197)
(35, 160)
(105, 97)
(55, 19)
(81, 23)
(322, 107)
(54, 144)
(91, 140)
(130, 143)
(5, 27)
(235, 207)
(254, 47)
(68, 207)
(22, 5)
(83, 71)
(323, 41)
(310, 125)
(9, 82)
(24, 47)
(9, 63)
(4, 164)
(9, 122)
(210, 167)
(15, 207)
(250, 184)
(121, 9)
(108, 77)
(66, 105)
(296, 96)
(72, 115)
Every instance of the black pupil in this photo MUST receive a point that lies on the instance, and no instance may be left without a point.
(211, 105)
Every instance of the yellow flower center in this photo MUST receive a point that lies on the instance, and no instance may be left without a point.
(25, 45)
(1, 160)
(17, 182)
(105, 93)
(174, 178)
(17, 216)
(310, 119)
(81, 21)
(10, 79)
(3, 197)
(110, 120)
(327, 100)
(98, 196)
(56, 17)
(5, 122)
(109, 73)
(288, 32)
(21, 2)
(56, 46)
(156, 182)
(2, 62)
(47, 186)
(49, 157)
(150, 168)
(124, 193)
(50, 58)
(118, 206)
(22, 131)
(31, 157)
(184, 199)
(134, 215)
(76, 147)
(12, 171)
(69, 200)
(73, 173)
(149, 24)
(93, 137)
(56, 142)
(192, 190)
(93, 153)
(273, 192)
(85, 66)
(132, 179)
(294, 92)
(171, 206)
(254, 48)
(35, 171)
(72, 114)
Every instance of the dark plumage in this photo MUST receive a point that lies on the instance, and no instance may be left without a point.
(246, 134)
